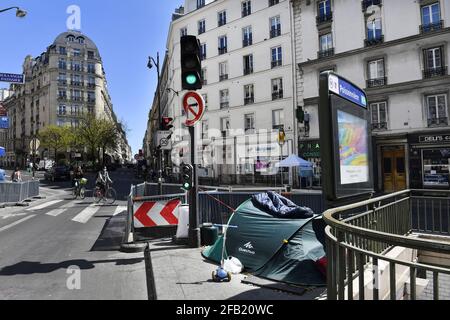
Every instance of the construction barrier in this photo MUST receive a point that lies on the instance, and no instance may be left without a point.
(18, 192)
(151, 215)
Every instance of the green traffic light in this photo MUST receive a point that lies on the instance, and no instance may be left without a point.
(191, 79)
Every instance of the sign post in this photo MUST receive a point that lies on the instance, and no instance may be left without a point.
(344, 126)
(194, 106)
(34, 146)
(12, 78)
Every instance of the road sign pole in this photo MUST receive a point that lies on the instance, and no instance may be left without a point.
(194, 230)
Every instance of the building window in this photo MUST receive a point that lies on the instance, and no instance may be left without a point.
(62, 94)
(76, 66)
(249, 123)
(224, 99)
(436, 167)
(70, 38)
(437, 110)
(91, 68)
(374, 31)
(200, 3)
(223, 45)
(201, 26)
(376, 73)
(205, 129)
(183, 32)
(91, 97)
(91, 82)
(434, 63)
(80, 40)
(326, 45)
(379, 115)
(225, 126)
(204, 76)
(248, 64)
(91, 55)
(76, 52)
(249, 94)
(203, 51)
(273, 2)
(222, 18)
(431, 18)
(324, 13)
(277, 119)
(247, 36)
(246, 8)
(62, 79)
(62, 50)
(205, 99)
(223, 71)
(275, 27)
(62, 110)
(62, 64)
(277, 89)
(277, 57)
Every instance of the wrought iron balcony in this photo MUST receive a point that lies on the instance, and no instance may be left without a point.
(275, 32)
(432, 27)
(373, 41)
(379, 82)
(223, 50)
(222, 22)
(277, 95)
(277, 63)
(367, 3)
(247, 42)
(249, 100)
(325, 53)
(248, 71)
(224, 105)
(223, 77)
(273, 2)
(323, 18)
(379, 126)
(246, 13)
(436, 122)
(434, 72)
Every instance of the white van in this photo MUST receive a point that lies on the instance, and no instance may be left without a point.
(45, 165)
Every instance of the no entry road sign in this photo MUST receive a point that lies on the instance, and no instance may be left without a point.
(194, 106)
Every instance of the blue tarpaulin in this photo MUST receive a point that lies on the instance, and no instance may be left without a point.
(2, 152)
(295, 161)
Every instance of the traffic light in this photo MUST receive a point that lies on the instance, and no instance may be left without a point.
(166, 124)
(191, 65)
(187, 176)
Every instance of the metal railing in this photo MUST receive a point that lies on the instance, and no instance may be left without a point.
(434, 122)
(322, 18)
(434, 72)
(373, 41)
(361, 235)
(379, 82)
(432, 27)
(325, 53)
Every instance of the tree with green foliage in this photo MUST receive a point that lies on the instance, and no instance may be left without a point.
(56, 138)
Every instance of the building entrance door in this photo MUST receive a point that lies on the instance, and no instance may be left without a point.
(394, 169)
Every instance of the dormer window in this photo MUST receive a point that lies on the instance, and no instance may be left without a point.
(80, 40)
(70, 38)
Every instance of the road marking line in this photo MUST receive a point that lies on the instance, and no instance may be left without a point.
(56, 212)
(44, 205)
(85, 215)
(16, 223)
(119, 209)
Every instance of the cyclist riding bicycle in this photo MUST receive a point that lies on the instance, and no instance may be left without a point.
(77, 175)
(103, 180)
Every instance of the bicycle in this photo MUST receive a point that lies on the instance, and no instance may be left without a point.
(79, 190)
(108, 196)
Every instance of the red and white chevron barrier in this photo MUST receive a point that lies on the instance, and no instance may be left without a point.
(158, 213)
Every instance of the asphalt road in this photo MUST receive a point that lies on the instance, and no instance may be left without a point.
(60, 248)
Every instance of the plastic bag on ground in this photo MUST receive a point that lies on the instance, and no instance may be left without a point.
(233, 265)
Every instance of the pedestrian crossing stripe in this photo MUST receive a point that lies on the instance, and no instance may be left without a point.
(44, 205)
(85, 215)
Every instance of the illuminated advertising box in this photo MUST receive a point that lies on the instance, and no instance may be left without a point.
(345, 138)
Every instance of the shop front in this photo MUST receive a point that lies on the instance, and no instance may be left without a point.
(430, 160)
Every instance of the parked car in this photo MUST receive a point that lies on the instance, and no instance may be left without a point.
(58, 173)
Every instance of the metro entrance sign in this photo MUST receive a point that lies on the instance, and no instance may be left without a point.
(194, 106)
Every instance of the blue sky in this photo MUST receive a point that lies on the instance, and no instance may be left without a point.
(126, 33)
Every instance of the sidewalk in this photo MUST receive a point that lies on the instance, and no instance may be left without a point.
(182, 273)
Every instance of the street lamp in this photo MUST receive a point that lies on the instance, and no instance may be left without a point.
(150, 64)
(19, 12)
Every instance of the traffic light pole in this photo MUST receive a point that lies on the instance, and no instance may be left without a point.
(194, 230)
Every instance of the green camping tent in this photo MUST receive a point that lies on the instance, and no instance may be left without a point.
(279, 249)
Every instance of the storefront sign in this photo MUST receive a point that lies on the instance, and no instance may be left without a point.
(434, 139)
(309, 150)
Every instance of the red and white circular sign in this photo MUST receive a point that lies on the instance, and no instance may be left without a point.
(194, 106)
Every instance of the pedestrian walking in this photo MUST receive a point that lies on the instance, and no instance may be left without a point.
(16, 176)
